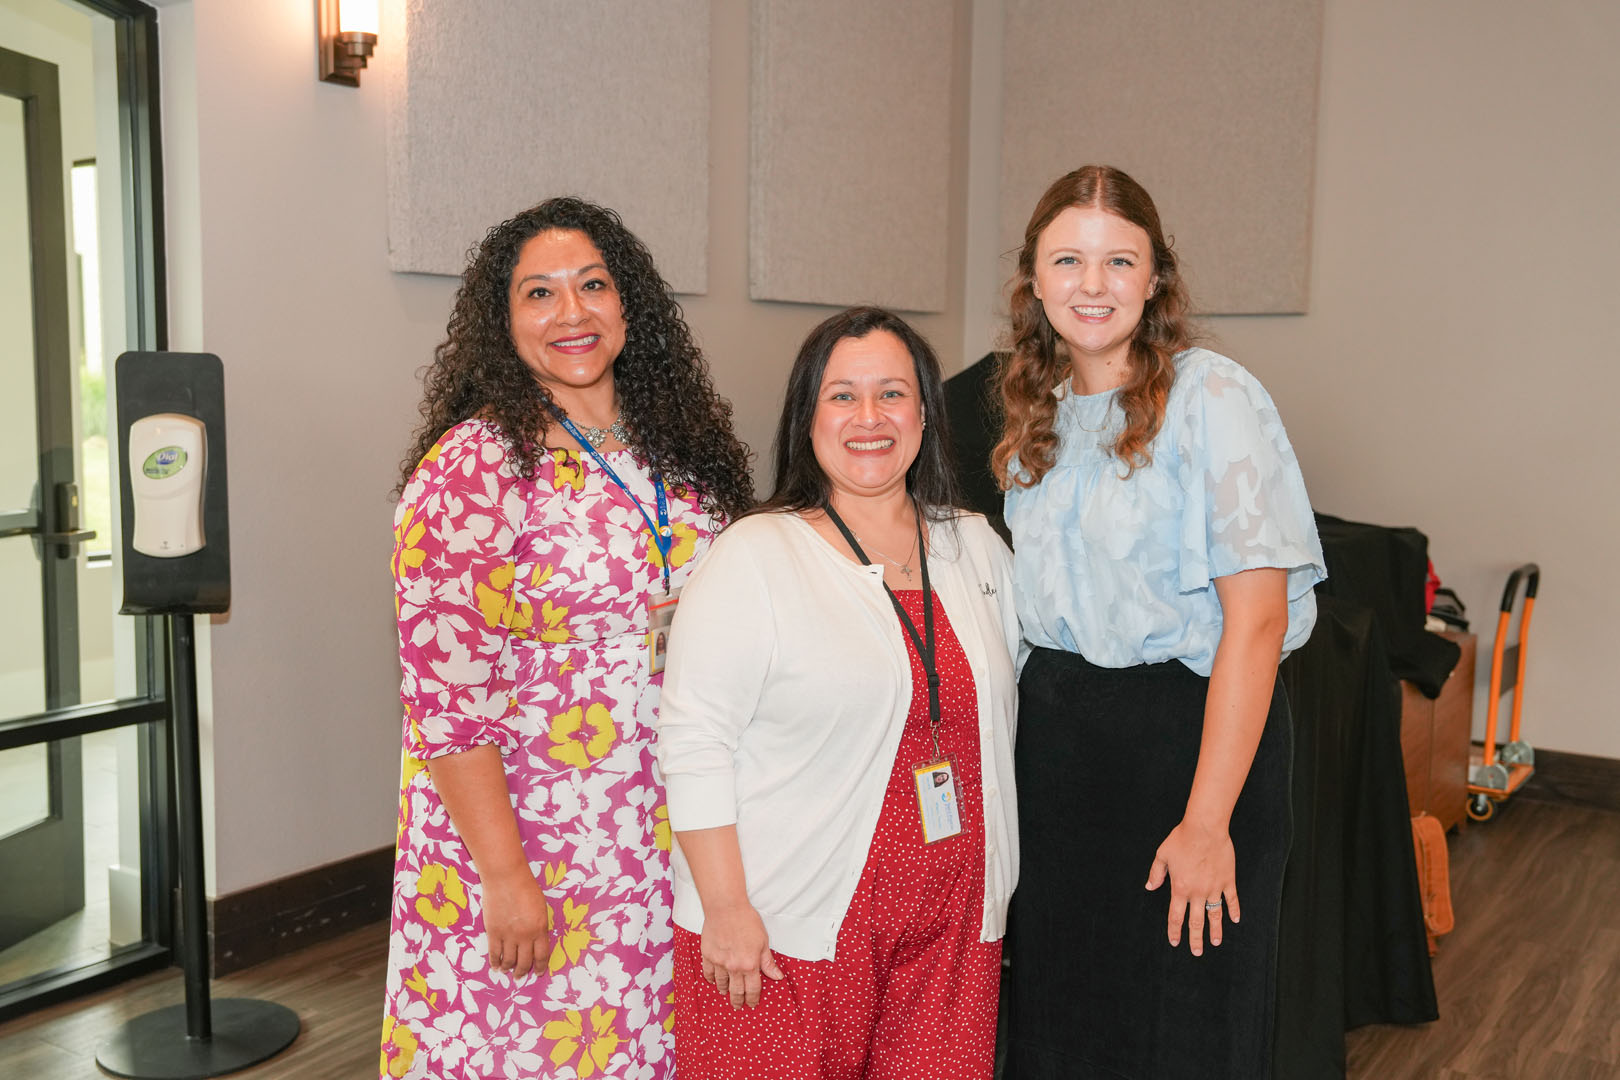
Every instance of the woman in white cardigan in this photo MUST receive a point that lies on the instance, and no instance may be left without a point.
(836, 736)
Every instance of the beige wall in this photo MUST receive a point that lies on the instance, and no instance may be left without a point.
(751, 344)
(1464, 193)
(275, 191)
(1457, 370)
(278, 262)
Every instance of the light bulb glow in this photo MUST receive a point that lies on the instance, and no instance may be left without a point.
(358, 16)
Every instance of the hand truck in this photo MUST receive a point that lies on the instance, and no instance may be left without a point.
(1495, 773)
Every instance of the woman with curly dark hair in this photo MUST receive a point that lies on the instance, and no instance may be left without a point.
(572, 463)
(1165, 555)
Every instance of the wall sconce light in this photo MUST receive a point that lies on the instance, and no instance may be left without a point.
(348, 34)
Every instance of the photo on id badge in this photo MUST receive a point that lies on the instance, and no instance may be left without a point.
(660, 613)
(936, 800)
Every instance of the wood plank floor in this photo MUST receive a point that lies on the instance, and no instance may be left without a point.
(334, 987)
(1529, 983)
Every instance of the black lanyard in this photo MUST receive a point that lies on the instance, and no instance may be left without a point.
(925, 651)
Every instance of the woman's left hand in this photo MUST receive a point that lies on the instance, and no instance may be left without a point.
(1202, 867)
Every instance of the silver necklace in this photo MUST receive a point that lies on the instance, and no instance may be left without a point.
(597, 436)
(904, 567)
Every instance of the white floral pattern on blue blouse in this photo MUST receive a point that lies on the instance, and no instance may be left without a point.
(1122, 571)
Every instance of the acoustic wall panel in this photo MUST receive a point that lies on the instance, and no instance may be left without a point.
(849, 151)
(499, 104)
(1212, 107)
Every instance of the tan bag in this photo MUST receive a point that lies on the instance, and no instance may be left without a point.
(1434, 877)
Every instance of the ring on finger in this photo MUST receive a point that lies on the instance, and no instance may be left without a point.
(1212, 905)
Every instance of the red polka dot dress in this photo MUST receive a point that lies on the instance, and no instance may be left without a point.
(911, 991)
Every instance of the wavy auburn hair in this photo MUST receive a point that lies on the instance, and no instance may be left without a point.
(801, 482)
(678, 424)
(1038, 360)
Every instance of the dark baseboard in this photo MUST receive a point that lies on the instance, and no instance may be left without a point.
(284, 915)
(1577, 779)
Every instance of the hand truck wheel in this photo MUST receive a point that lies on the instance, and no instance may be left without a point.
(1481, 808)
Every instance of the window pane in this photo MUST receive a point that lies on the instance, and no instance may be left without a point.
(24, 789)
(19, 433)
(80, 902)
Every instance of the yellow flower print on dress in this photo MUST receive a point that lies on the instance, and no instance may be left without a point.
(553, 623)
(568, 472)
(409, 767)
(669, 1021)
(661, 828)
(407, 535)
(682, 544)
(418, 982)
(595, 1048)
(440, 895)
(494, 597)
(583, 736)
(398, 1048)
(573, 939)
(499, 604)
(581, 782)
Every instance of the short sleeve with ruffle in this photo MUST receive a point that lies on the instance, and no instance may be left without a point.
(1246, 506)
(454, 536)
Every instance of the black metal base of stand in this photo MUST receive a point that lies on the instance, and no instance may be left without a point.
(155, 1046)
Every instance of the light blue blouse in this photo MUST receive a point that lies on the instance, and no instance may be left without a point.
(1121, 570)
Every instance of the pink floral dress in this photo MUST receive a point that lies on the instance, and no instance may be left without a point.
(523, 623)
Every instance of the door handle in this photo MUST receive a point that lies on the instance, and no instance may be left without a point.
(67, 543)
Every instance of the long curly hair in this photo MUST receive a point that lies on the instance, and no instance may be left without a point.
(801, 482)
(1039, 360)
(678, 424)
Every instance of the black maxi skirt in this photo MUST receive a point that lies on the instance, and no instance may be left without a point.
(1104, 762)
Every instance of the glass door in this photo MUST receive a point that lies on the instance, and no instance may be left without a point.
(84, 822)
(42, 819)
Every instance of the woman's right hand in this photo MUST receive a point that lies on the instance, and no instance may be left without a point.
(736, 951)
(517, 923)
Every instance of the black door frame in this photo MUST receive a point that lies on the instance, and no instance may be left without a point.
(140, 164)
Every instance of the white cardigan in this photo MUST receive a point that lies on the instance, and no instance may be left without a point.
(787, 688)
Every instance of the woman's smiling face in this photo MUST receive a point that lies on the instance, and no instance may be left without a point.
(567, 322)
(1093, 276)
(869, 419)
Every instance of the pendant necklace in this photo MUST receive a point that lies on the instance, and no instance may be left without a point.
(597, 436)
(904, 567)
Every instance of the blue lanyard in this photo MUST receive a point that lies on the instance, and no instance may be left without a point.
(663, 540)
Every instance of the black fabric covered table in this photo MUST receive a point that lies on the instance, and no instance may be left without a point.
(1352, 946)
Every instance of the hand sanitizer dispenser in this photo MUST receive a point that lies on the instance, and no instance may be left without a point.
(167, 463)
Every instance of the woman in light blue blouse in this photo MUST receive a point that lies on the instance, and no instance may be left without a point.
(1165, 554)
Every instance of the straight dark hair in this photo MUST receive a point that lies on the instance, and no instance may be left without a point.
(801, 483)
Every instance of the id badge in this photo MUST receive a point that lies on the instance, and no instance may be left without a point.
(937, 801)
(660, 613)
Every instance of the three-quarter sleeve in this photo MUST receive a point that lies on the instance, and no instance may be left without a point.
(1246, 505)
(720, 650)
(455, 536)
